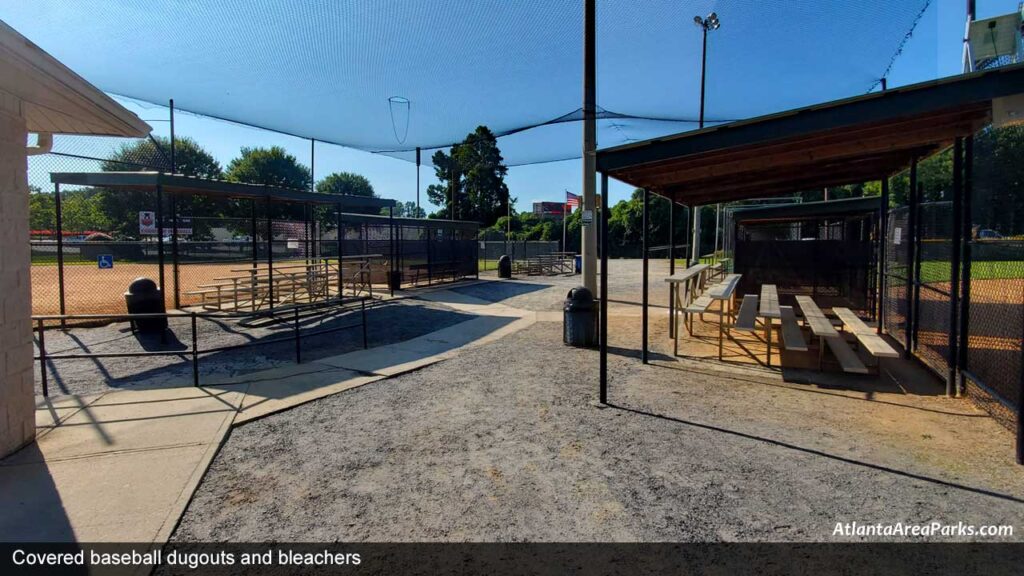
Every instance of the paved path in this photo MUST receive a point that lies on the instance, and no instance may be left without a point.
(123, 465)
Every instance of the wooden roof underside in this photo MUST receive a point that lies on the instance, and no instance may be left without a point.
(849, 141)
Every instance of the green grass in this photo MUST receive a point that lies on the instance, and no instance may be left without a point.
(995, 270)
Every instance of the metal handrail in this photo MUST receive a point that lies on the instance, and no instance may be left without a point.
(194, 351)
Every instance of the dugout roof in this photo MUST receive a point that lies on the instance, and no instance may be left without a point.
(843, 142)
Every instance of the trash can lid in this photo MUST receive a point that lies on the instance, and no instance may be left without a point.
(580, 295)
(142, 286)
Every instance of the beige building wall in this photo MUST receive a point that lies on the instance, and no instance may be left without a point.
(17, 399)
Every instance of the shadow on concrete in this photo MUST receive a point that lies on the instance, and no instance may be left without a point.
(31, 504)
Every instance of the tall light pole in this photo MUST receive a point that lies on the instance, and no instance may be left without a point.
(706, 25)
(588, 241)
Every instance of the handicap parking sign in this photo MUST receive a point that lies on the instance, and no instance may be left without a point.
(105, 261)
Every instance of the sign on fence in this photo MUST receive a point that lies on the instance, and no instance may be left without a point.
(105, 261)
(148, 227)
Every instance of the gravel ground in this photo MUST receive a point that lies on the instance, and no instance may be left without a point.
(459, 452)
(386, 323)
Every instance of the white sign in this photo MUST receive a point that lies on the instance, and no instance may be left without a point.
(897, 235)
(588, 217)
(147, 223)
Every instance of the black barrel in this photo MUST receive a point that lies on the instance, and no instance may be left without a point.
(145, 297)
(579, 319)
(504, 266)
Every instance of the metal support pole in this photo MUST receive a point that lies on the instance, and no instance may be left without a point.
(174, 162)
(312, 164)
(967, 235)
(60, 253)
(174, 251)
(417, 181)
(911, 281)
(391, 259)
(363, 312)
(195, 353)
(643, 244)
(298, 336)
(695, 246)
(341, 237)
(160, 238)
(270, 255)
(589, 233)
(883, 234)
(954, 266)
(671, 267)
(430, 265)
(603, 331)
(917, 265)
(41, 328)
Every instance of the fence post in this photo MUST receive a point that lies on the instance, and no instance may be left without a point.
(391, 245)
(917, 261)
(270, 255)
(965, 240)
(174, 250)
(341, 237)
(363, 312)
(59, 212)
(911, 280)
(603, 330)
(298, 342)
(430, 264)
(160, 239)
(195, 353)
(883, 238)
(954, 265)
(42, 357)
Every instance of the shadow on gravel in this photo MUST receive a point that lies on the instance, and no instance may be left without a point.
(499, 290)
(822, 454)
(266, 347)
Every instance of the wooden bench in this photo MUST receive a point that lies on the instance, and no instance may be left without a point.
(769, 311)
(746, 319)
(822, 327)
(867, 337)
(436, 269)
(683, 288)
(792, 336)
(724, 292)
(847, 358)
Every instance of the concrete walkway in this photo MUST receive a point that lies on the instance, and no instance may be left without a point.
(123, 465)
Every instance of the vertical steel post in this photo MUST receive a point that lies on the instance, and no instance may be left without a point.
(917, 263)
(254, 234)
(174, 251)
(911, 280)
(391, 259)
(60, 253)
(160, 238)
(643, 244)
(363, 312)
(954, 266)
(883, 238)
(671, 266)
(298, 342)
(967, 234)
(270, 255)
(703, 70)
(195, 353)
(41, 328)
(417, 181)
(589, 232)
(603, 331)
(174, 161)
(312, 164)
(430, 265)
(341, 237)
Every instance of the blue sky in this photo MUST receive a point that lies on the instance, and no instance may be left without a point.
(933, 51)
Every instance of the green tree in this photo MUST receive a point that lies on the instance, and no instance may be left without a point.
(405, 210)
(349, 184)
(121, 208)
(273, 166)
(472, 176)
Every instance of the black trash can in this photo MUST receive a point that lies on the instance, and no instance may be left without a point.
(145, 297)
(504, 267)
(579, 323)
(395, 280)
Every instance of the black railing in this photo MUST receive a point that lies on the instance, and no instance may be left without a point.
(296, 333)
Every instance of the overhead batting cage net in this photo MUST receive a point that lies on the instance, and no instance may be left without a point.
(375, 75)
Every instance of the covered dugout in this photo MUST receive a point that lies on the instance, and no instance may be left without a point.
(865, 138)
(822, 249)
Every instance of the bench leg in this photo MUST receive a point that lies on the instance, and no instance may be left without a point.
(768, 334)
(721, 321)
